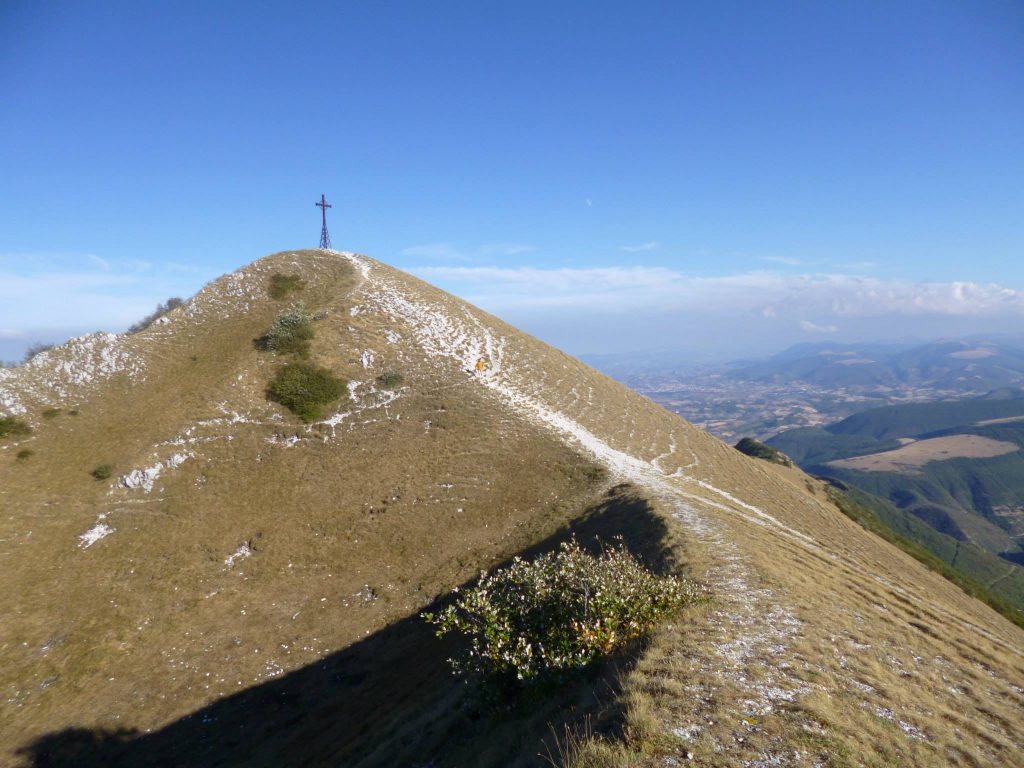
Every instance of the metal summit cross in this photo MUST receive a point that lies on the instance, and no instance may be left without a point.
(325, 239)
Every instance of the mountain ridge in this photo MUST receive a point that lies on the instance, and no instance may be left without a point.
(794, 581)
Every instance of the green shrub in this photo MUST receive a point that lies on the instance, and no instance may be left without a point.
(390, 379)
(305, 388)
(161, 309)
(533, 622)
(24, 453)
(759, 450)
(281, 285)
(291, 332)
(10, 426)
(103, 471)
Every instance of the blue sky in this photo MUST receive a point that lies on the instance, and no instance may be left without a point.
(720, 178)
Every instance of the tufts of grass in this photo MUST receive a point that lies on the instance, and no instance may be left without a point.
(24, 453)
(51, 413)
(305, 389)
(103, 472)
(281, 285)
(870, 521)
(390, 379)
(12, 427)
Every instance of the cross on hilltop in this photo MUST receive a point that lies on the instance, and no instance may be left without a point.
(325, 239)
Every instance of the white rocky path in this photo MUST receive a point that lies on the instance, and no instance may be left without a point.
(750, 627)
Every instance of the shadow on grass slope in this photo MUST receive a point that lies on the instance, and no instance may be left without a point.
(388, 700)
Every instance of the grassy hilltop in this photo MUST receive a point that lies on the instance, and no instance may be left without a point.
(198, 575)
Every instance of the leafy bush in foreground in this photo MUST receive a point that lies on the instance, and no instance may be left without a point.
(533, 621)
(10, 426)
(305, 388)
(291, 332)
(281, 285)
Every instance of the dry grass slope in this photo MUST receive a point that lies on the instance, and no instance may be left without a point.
(268, 557)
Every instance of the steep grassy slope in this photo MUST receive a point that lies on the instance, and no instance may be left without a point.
(286, 563)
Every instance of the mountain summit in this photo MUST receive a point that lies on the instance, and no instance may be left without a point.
(194, 576)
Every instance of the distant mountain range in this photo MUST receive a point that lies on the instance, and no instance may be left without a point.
(955, 365)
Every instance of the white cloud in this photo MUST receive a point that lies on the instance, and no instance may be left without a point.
(809, 327)
(784, 260)
(43, 293)
(442, 251)
(450, 253)
(642, 247)
(103, 264)
(762, 292)
(505, 249)
(859, 266)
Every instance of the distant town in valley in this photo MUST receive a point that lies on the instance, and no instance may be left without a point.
(816, 384)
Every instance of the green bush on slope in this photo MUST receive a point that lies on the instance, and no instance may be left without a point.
(758, 450)
(533, 621)
(291, 332)
(305, 388)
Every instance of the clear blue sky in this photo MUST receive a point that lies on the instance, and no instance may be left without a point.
(608, 175)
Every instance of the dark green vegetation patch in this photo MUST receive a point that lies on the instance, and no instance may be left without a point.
(305, 389)
(281, 286)
(11, 427)
(103, 471)
(389, 379)
(758, 450)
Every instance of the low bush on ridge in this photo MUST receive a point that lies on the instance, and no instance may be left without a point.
(161, 309)
(305, 388)
(532, 622)
(291, 332)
